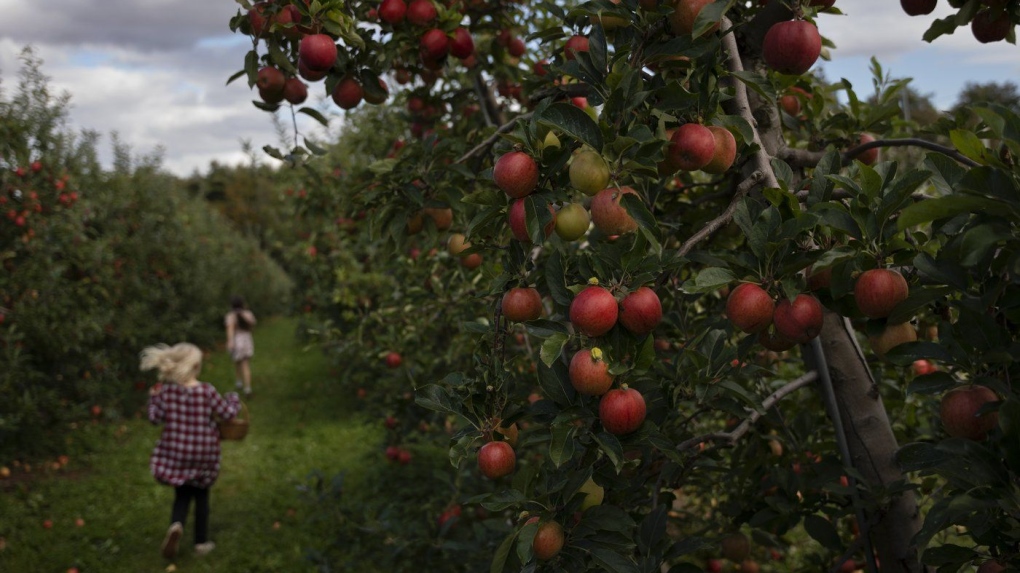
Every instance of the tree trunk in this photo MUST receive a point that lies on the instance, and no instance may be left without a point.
(872, 446)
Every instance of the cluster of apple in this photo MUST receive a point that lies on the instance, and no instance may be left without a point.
(779, 325)
(991, 23)
(20, 205)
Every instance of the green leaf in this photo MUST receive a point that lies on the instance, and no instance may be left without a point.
(822, 531)
(757, 82)
(251, 67)
(437, 398)
(710, 279)
(561, 445)
(314, 114)
(637, 209)
(967, 143)
(612, 561)
(554, 280)
(920, 456)
(314, 148)
(948, 554)
(502, 553)
(709, 17)
(552, 347)
(934, 383)
(610, 445)
(945, 207)
(574, 122)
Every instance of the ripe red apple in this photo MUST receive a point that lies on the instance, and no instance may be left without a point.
(270, 79)
(496, 459)
(594, 311)
(284, 19)
(725, 151)
(792, 47)
(990, 26)
(393, 359)
(390, 422)
(318, 52)
(870, 156)
(749, 566)
(548, 540)
(640, 311)
(750, 308)
(435, 44)
(309, 74)
(609, 215)
(713, 566)
(403, 457)
(47, 524)
(462, 45)
(892, 336)
(878, 291)
(692, 147)
(448, 514)
(379, 96)
(441, 216)
(589, 373)
(800, 320)
(421, 12)
(572, 221)
(392, 11)
(790, 104)
(575, 43)
(922, 367)
(622, 411)
(96, 410)
(456, 244)
(521, 304)
(516, 47)
(257, 18)
(472, 261)
(918, 7)
(516, 173)
(516, 216)
(295, 91)
(991, 567)
(959, 412)
(348, 93)
(685, 12)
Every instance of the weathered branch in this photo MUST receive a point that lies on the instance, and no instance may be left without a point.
(491, 140)
(805, 158)
(712, 226)
(734, 435)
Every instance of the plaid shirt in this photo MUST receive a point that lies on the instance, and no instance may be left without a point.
(188, 452)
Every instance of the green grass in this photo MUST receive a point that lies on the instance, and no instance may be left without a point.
(259, 519)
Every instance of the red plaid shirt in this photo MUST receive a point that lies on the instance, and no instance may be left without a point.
(188, 452)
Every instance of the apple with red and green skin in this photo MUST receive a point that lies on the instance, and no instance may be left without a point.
(959, 412)
(870, 156)
(47, 524)
(609, 215)
(441, 216)
(918, 7)
(462, 45)
(348, 93)
(750, 308)
(878, 291)
(725, 151)
(622, 410)
(309, 74)
(392, 11)
(472, 261)
(991, 567)
(517, 218)
(922, 367)
(456, 244)
(393, 359)
(799, 320)
(421, 12)
(575, 43)
(685, 12)
(521, 304)
(572, 221)
(594, 311)
(640, 311)
(318, 52)
(549, 539)
(270, 79)
(516, 173)
(790, 104)
(792, 47)
(589, 372)
(295, 91)
(892, 336)
(496, 460)
(692, 147)
(990, 26)
(589, 172)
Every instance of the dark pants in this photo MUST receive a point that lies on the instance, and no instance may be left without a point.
(182, 500)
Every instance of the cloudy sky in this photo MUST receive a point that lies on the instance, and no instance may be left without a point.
(155, 70)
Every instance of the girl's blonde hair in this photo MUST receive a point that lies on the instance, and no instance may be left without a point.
(177, 363)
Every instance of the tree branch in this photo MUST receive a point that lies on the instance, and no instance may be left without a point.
(491, 140)
(731, 437)
(712, 226)
(805, 158)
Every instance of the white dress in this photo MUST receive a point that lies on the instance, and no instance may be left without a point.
(243, 343)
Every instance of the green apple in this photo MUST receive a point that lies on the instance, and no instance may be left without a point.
(589, 172)
(572, 221)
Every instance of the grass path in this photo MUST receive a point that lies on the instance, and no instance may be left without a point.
(298, 426)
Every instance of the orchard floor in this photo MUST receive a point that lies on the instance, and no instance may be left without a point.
(257, 507)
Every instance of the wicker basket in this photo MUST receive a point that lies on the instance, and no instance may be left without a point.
(235, 428)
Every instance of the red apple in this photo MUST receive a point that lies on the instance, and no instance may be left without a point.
(309, 74)
(521, 304)
(870, 156)
(991, 567)
(609, 215)
(594, 311)
(318, 52)
(575, 43)
(800, 320)
(792, 47)
(640, 311)
(421, 12)
(392, 11)
(271, 80)
(878, 291)
(435, 44)
(692, 147)
(441, 216)
(589, 373)
(548, 540)
(685, 12)
(393, 359)
(462, 45)
(990, 26)
(622, 411)
(750, 308)
(922, 367)
(496, 460)
(772, 340)
(403, 457)
(295, 91)
(918, 7)
(516, 173)
(790, 104)
(959, 412)
(516, 216)
(348, 93)
(516, 47)
(725, 151)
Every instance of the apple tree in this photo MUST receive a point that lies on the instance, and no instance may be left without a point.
(753, 337)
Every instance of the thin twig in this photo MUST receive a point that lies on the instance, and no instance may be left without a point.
(491, 140)
(806, 158)
(715, 224)
(731, 437)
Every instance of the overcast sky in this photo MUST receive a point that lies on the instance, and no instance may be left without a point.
(155, 70)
